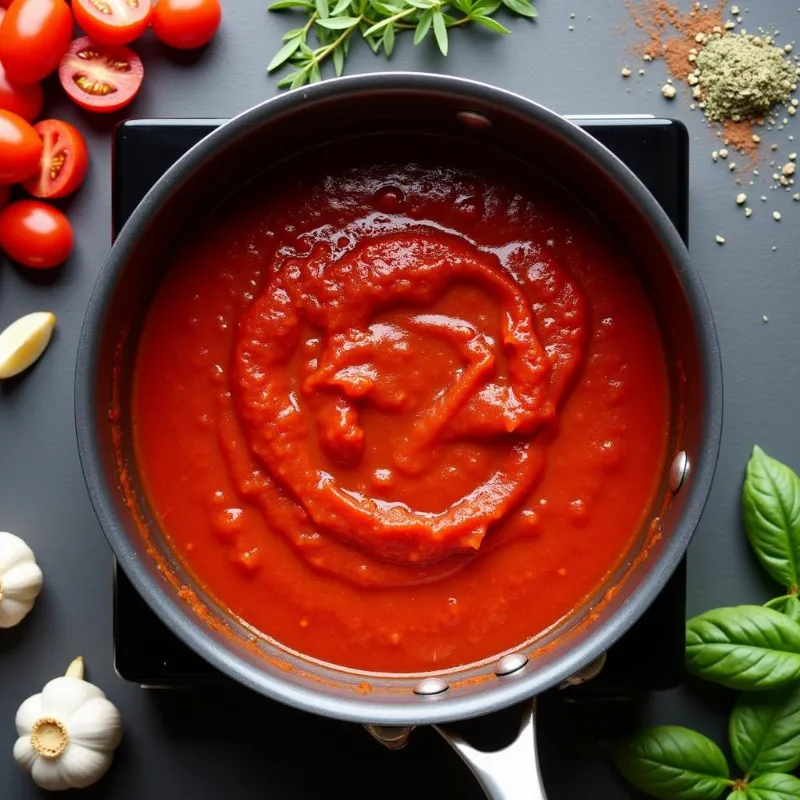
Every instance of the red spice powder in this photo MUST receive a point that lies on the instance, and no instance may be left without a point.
(670, 35)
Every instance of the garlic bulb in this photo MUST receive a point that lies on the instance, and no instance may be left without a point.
(20, 579)
(24, 341)
(67, 734)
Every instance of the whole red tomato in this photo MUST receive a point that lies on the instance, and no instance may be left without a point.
(112, 22)
(186, 24)
(24, 99)
(35, 234)
(33, 37)
(20, 148)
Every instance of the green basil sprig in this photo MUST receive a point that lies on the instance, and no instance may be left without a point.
(744, 647)
(769, 787)
(764, 731)
(771, 505)
(751, 648)
(673, 763)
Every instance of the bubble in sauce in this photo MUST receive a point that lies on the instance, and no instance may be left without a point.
(389, 198)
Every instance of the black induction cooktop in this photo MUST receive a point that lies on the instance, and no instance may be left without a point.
(650, 656)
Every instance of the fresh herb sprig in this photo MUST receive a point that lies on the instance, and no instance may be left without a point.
(331, 25)
(751, 648)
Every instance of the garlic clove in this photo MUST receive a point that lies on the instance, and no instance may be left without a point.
(13, 551)
(24, 341)
(22, 582)
(80, 767)
(24, 754)
(46, 774)
(96, 724)
(62, 697)
(27, 714)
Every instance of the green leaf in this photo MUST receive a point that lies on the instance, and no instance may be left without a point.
(440, 32)
(449, 20)
(491, 24)
(772, 787)
(315, 75)
(338, 61)
(771, 504)
(463, 5)
(338, 23)
(377, 27)
(764, 731)
(745, 647)
(294, 33)
(672, 763)
(422, 5)
(283, 4)
(300, 79)
(787, 604)
(306, 50)
(423, 26)
(284, 54)
(386, 9)
(340, 7)
(485, 9)
(388, 40)
(374, 44)
(287, 80)
(521, 7)
(322, 8)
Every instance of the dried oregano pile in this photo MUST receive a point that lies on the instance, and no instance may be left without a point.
(743, 82)
(741, 76)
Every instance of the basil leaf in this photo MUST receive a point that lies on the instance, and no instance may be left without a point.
(773, 787)
(788, 605)
(521, 7)
(771, 504)
(745, 647)
(672, 763)
(440, 32)
(284, 54)
(764, 731)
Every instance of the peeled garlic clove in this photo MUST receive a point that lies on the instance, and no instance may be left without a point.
(23, 341)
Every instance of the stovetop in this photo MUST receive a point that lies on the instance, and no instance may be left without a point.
(650, 656)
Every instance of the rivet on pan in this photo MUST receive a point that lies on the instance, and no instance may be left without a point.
(678, 471)
(429, 686)
(510, 664)
(474, 120)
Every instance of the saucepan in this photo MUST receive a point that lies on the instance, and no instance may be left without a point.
(570, 652)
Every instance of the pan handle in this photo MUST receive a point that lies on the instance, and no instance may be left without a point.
(508, 774)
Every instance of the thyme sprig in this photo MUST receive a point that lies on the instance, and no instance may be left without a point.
(331, 25)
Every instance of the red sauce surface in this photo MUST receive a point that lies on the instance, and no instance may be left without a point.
(401, 415)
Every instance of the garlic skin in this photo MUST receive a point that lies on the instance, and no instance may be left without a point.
(67, 734)
(20, 580)
(23, 342)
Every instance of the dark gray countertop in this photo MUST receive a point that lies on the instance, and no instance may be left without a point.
(229, 743)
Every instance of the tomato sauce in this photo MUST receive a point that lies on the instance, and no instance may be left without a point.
(401, 414)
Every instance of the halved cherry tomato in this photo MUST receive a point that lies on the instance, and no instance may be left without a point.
(186, 24)
(64, 161)
(20, 148)
(33, 37)
(35, 234)
(113, 21)
(100, 77)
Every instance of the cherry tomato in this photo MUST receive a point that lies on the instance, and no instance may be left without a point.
(20, 148)
(112, 21)
(35, 234)
(64, 161)
(100, 77)
(24, 99)
(33, 37)
(186, 24)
